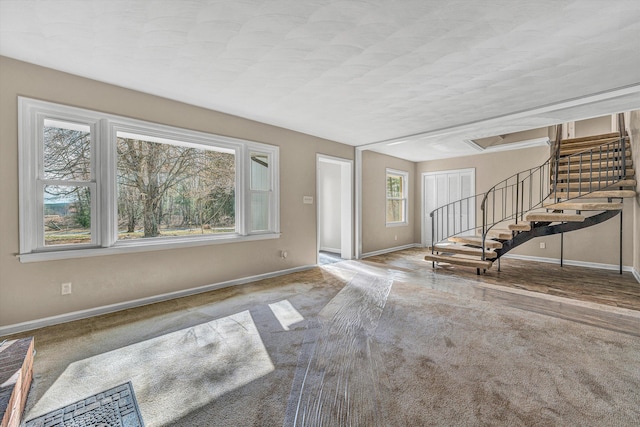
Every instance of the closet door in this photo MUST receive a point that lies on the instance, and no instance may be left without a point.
(443, 188)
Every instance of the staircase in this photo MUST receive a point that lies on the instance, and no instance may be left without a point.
(583, 183)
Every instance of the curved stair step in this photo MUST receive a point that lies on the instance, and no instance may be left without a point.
(613, 148)
(600, 194)
(591, 138)
(577, 206)
(598, 156)
(455, 260)
(606, 174)
(610, 164)
(500, 234)
(585, 186)
(476, 241)
(445, 248)
(521, 226)
(553, 217)
(585, 145)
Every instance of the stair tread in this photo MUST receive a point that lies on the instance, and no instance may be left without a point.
(461, 249)
(591, 143)
(607, 164)
(602, 185)
(590, 138)
(586, 206)
(553, 217)
(501, 234)
(613, 148)
(521, 226)
(597, 156)
(595, 174)
(476, 241)
(600, 194)
(467, 262)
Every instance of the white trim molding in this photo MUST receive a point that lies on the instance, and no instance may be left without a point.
(105, 309)
(636, 274)
(601, 266)
(389, 250)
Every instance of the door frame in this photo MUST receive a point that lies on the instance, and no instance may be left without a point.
(423, 205)
(346, 204)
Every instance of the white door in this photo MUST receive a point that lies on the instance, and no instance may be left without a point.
(443, 188)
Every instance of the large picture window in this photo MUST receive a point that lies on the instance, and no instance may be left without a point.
(92, 183)
(396, 213)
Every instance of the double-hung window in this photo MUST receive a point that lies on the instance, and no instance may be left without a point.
(93, 183)
(396, 213)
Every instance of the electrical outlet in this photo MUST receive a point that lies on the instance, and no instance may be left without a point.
(543, 245)
(396, 237)
(65, 288)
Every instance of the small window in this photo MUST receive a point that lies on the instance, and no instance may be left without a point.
(260, 191)
(396, 197)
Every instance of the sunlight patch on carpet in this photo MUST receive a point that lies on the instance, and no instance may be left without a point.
(172, 374)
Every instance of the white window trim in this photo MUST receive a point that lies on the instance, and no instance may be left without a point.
(104, 128)
(405, 197)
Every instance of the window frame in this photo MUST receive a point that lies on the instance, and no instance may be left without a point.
(405, 197)
(104, 209)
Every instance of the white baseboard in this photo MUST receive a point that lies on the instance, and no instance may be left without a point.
(636, 274)
(386, 251)
(571, 262)
(332, 250)
(91, 312)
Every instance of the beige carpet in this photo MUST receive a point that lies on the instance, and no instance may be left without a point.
(350, 343)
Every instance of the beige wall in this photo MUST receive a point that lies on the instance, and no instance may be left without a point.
(32, 290)
(595, 126)
(375, 234)
(597, 244)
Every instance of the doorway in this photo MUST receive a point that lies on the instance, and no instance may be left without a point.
(441, 188)
(334, 181)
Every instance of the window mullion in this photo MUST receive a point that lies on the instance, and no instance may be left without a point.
(106, 180)
(243, 199)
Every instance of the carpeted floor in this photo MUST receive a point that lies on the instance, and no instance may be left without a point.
(351, 343)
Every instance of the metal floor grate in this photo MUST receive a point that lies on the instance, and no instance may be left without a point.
(116, 407)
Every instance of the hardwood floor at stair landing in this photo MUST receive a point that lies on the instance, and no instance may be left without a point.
(585, 284)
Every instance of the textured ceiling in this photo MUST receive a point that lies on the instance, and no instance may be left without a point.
(358, 72)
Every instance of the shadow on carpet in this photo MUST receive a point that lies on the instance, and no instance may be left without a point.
(116, 407)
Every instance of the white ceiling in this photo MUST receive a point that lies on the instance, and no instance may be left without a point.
(362, 72)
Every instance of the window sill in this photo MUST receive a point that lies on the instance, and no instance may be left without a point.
(397, 224)
(141, 246)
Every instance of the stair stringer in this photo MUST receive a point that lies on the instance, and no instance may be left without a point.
(545, 229)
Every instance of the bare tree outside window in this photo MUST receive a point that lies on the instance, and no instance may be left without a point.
(173, 190)
(67, 159)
